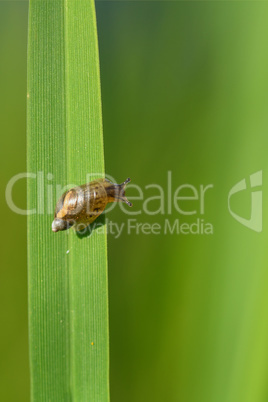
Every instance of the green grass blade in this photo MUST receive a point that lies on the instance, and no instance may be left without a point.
(68, 296)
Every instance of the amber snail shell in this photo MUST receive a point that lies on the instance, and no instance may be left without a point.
(80, 206)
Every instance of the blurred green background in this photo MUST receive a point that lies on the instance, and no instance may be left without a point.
(184, 89)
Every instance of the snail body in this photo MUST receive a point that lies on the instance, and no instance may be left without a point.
(80, 206)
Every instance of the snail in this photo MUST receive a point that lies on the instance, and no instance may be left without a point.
(81, 205)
